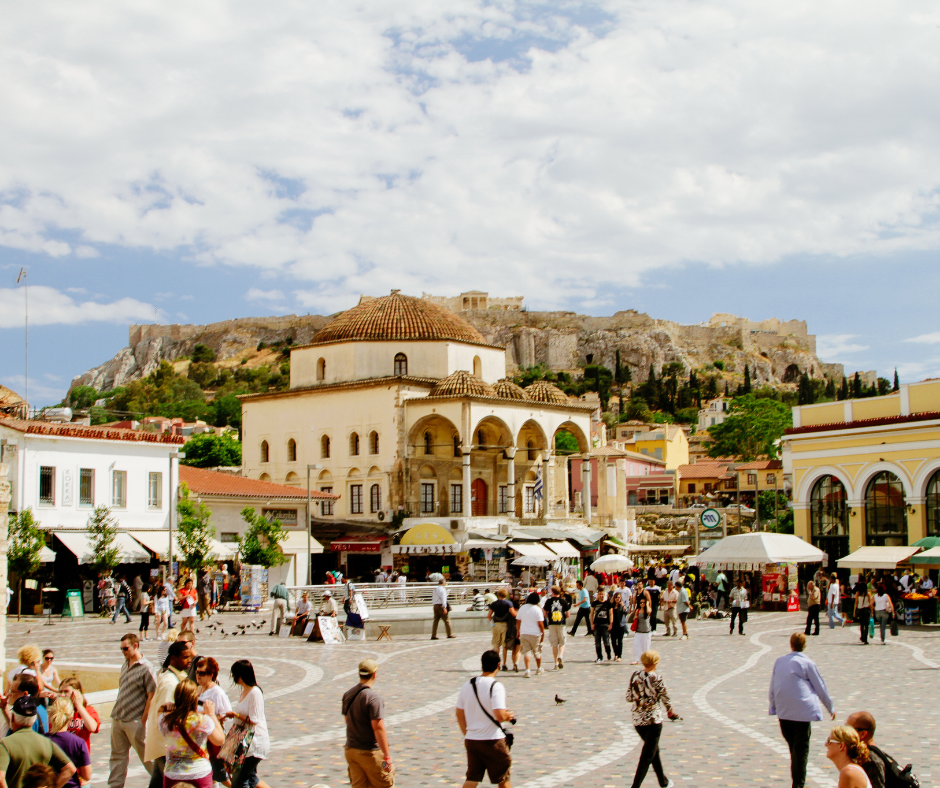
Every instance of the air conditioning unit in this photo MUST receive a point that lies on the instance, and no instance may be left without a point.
(454, 525)
(504, 529)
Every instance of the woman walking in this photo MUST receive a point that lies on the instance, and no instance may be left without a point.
(618, 626)
(641, 635)
(187, 600)
(162, 608)
(646, 692)
(48, 672)
(813, 603)
(739, 606)
(187, 733)
(250, 711)
(847, 751)
(863, 603)
(146, 608)
(207, 671)
(884, 610)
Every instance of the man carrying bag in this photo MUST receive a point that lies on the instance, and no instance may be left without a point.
(481, 708)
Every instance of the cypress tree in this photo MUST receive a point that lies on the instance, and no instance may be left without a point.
(897, 383)
(857, 386)
(844, 389)
(747, 380)
(830, 388)
(617, 378)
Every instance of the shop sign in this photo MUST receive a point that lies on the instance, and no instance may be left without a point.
(710, 518)
(285, 516)
(426, 549)
(488, 552)
(353, 546)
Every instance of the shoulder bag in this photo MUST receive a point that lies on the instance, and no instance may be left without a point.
(235, 747)
(510, 738)
(191, 744)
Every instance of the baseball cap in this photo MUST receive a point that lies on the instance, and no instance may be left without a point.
(327, 593)
(25, 706)
(367, 667)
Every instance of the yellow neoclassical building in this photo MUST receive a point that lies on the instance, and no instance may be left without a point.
(401, 406)
(866, 472)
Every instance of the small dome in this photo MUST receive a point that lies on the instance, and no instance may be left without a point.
(543, 391)
(506, 389)
(397, 317)
(462, 384)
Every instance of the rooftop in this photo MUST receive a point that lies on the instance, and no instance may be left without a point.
(54, 430)
(704, 470)
(203, 482)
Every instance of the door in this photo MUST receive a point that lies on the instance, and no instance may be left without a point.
(478, 498)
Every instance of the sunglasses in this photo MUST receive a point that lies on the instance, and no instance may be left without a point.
(125, 648)
(203, 673)
(48, 659)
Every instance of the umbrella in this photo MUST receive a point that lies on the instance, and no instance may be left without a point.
(931, 556)
(612, 563)
(530, 560)
(753, 550)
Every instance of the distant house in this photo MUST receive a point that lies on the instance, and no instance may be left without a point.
(713, 413)
(666, 442)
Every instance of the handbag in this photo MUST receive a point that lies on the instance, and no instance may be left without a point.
(633, 625)
(510, 737)
(235, 747)
(894, 626)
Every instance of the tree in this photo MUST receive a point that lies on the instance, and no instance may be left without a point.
(751, 429)
(830, 389)
(897, 382)
(807, 394)
(195, 532)
(202, 373)
(857, 386)
(25, 543)
(260, 544)
(203, 353)
(566, 443)
(844, 389)
(102, 530)
(746, 388)
(208, 450)
(227, 410)
(82, 397)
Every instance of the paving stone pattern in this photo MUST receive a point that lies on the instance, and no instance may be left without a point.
(718, 684)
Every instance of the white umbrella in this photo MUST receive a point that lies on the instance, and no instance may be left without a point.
(752, 550)
(612, 563)
(530, 560)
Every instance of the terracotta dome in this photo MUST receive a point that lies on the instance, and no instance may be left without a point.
(396, 317)
(506, 389)
(543, 391)
(462, 384)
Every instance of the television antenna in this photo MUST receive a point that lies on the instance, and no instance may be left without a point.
(19, 279)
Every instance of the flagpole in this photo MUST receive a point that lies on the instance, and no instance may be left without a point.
(22, 278)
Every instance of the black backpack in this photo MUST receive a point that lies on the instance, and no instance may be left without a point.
(895, 776)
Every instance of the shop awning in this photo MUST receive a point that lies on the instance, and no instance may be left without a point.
(878, 557)
(78, 543)
(296, 542)
(481, 544)
(427, 534)
(356, 545)
(563, 549)
(46, 555)
(618, 546)
(533, 550)
(657, 548)
(158, 543)
(426, 549)
(750, 551)
(931, 557)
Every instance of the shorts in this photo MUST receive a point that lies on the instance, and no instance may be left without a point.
(499, 635)
(683, 616)
(531, 643)
(557, 635)
(489, 756)
(188, 612)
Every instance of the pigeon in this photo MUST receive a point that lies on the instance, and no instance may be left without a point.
(559, 701)
(197, 631)
(28, 631)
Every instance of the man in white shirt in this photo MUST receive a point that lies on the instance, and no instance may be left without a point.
(668, 600)
(675, 574)
(833, 597)
(907, 582)
(481, 708)
(530, 623)
(439, 600)
(590, 585)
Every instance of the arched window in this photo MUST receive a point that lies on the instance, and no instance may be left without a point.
(933, 505)
(457, 452)
(321, 369)
(885, 519)
(264, 451)
(373, 442)
(354, 445)
(428, 443)
(481, 439)
(325, 446)
(375, 498)
(530, 450)
(477, 367)
(401, 364)
(829, 517)
(292, 450)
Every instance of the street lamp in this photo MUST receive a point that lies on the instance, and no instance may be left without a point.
(314, 467)
(179, 455)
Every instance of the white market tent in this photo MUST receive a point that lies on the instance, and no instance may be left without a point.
(563, 549)
(533, 550)
(752, 551)
(79, 544)
(158, 542)
(877, 557)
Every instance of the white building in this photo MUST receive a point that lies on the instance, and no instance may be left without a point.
(713, 413)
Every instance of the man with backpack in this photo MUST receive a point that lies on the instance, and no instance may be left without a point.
(882, 770)
(368, 757)
(481, 710)
(123, 598)
(556, 612)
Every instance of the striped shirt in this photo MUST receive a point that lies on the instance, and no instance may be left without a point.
(135, 684)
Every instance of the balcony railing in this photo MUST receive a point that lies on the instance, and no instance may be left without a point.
(379, 596)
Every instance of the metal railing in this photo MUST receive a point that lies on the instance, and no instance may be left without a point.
(379, 596)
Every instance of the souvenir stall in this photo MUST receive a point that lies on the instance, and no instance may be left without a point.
(428, 547)
(924, 605)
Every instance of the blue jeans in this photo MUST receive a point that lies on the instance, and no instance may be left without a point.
(834, 616)
(121, 606)
(246, 775)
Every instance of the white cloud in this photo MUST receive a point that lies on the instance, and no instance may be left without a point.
(834, 346)
(363, 147)
(48, 306)
(254, 294)
(930, 339)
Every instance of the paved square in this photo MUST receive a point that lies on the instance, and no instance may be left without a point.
(718, 684)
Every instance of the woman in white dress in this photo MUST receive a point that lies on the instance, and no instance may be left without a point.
(402, 579)
(641, 636)
(162, 610)
(847, 751)
(207, 671)
(250, 709)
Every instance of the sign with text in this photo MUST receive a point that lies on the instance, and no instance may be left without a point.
(710, 518)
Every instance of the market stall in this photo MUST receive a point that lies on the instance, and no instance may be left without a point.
(925, 605)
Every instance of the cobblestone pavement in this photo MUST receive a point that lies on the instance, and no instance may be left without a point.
(718, 684)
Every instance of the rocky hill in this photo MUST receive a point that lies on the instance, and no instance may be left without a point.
(777, 353)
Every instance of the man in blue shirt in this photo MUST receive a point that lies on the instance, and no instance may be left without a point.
(796, 688)
(582, 601)
(25, 685)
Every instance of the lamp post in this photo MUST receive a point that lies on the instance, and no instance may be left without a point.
(313, 467)
(174, 492)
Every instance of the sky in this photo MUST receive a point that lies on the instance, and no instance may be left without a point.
(237, 159)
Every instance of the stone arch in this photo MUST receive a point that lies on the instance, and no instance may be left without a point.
(477, 367)
(292, 480)
(292, 450)
(808, 482)
(321, 369)
(264, 477)
(354, 444)
(866, 474)
(495, 431)
(373, 442)
(354, 473)
(265, 452)
(325, 476)
(922, 478)
(584, 445)
(374, 471)
(427, 472)
(435, 432)
(325, 446)
(532, 431)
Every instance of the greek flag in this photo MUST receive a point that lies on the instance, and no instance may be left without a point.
(538, 483)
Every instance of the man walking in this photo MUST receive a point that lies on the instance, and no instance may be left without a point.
(739, 606)
(441, 609)
(556, 612)
(530, 621)
(683, 607)
(368, 757)
(136, 687)
(796, 688)
(281, 607)
(670, 600)
(180, 656)
(123, 592)
(583, 603)
(481, 708)
(724, 589)
(501, 611)
(23, 748)
(600, 622)
(833, 598)
(874, 767)
(653, 591)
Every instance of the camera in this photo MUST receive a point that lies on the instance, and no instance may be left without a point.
(513, 721)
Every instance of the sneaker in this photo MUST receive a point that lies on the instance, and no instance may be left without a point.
(670, 784)
(741, 633)
(505, 667)
(561, 663)
(528, 675)
(515, 668)
(598, 661)
(540, 671)
(684, 637)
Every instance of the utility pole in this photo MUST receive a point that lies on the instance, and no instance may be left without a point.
(22, 278)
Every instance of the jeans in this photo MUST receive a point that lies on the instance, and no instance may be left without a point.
(797, 737)
(739, 613)
(863, 614)
(883, 617)
(726, 595)
(812, 618)
(246, 775)
(583, 613)
(833, 612)
(156, 775)
(616, 640)
(602, 635)
(121, 607)
(649, 755)
(654, 609)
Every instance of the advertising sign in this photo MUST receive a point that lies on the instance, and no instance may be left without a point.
(710, 519)
(74, 606)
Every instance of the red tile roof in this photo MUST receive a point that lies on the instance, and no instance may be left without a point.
(704, 470)
(858, 423)
(203, 482)
(760, 465)
(55, 430)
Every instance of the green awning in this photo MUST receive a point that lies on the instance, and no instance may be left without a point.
(927, 542)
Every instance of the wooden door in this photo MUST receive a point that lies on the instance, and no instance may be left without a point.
(478, 498)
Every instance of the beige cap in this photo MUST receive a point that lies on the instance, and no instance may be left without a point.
(367, 667)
